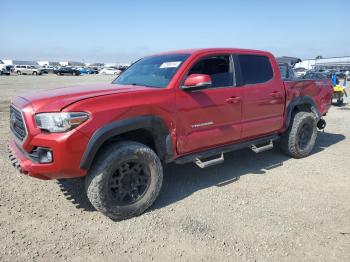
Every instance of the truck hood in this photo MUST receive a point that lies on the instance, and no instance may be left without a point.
(59, 98)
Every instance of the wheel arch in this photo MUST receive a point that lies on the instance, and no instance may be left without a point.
(300, 104)
(149, 130)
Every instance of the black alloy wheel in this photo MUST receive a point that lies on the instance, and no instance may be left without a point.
(304, 135)
(129, 182)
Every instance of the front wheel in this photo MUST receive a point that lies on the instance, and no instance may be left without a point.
(35, 73)
(300, 138)
(125, 180)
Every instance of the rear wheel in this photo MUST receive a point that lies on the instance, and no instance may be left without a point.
(300, 138)
(125, 180)
(35, 73)
(19, 73)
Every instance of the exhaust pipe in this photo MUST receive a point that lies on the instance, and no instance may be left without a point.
(321, 124)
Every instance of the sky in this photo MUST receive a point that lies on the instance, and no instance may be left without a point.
(123, 31)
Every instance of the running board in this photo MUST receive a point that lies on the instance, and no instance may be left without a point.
(259, 149)
(204, 164)
(225, 149)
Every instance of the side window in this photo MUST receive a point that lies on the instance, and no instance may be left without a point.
(255, 69)
(218, 67)
(291, 74)
(284, 71)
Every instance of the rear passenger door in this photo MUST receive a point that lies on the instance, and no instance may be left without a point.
(263, 95)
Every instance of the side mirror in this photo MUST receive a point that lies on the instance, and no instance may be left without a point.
(197, 81)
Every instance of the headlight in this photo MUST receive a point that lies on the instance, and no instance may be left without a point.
(60, 122)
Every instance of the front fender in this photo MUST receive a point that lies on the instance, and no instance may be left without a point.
(152, 123)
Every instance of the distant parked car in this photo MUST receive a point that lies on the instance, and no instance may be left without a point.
(311, 75)
(84, 71)
(348, 75)
(48, 69)
(67, 71)
(122, 67)
(110, 71)
(300, 71)
(27, 70)
(93, 70)
(341, 75)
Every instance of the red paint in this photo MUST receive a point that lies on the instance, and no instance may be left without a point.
(223, 115)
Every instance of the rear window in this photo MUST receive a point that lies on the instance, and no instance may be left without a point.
(255, 69)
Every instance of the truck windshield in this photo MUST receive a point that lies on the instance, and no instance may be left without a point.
(154, 71)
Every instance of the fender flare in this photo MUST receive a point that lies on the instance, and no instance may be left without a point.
(299, 101)
(154, 124)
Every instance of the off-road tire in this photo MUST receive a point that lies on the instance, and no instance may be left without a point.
(289, 142)
(97, 182)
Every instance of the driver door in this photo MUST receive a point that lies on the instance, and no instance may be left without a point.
(208, 117)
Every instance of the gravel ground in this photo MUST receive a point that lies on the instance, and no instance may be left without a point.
(254, 207)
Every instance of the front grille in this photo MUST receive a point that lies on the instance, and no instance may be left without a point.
(17, 124)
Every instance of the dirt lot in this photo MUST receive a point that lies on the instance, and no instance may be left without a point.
(254, 207)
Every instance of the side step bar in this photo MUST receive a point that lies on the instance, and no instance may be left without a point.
(259, 149)
(211, 162)
(253, 144)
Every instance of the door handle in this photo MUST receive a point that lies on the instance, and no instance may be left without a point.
(233, 100)
(276, 94)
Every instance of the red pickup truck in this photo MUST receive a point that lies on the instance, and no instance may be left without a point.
(183, 106)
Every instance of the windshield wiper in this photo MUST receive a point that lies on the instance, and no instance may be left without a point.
(135, 84)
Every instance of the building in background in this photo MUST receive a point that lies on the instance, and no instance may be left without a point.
(76, 64)
(336, 63)
(48, 63)
(19, 62)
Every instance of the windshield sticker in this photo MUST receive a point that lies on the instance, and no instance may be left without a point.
(170, 64)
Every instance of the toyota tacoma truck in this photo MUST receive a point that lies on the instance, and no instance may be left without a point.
(184, 106)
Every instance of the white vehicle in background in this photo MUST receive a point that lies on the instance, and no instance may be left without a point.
(4, 69)
(110, 71)
(27, 70)
(300, 71)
